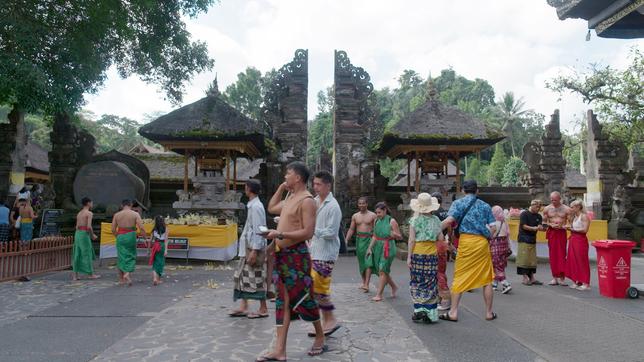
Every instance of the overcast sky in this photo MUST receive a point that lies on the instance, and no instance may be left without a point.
(515, 45)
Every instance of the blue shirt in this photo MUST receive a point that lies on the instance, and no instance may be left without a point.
(4, 215)
(325, 244)
(476, 220)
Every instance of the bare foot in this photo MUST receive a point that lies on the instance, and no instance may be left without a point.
(377, 298)
(94, 276)
(271, 357)
(75, 278)
(393, 291)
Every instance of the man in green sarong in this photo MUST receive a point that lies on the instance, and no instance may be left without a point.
(83, 252)
(362, 226)
(124, 226)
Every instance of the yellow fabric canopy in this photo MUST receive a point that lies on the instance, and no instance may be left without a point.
(205, 236)
(598, 231)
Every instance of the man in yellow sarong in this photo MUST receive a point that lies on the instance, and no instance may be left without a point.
(473, 267)
(124, 226)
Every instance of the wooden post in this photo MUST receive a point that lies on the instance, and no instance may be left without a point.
(417, 172)
(185, 172)
(408, 175)
(235, 173)
(458, 172)
(228, 171)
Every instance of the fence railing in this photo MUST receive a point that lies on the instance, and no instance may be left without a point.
(51, 253)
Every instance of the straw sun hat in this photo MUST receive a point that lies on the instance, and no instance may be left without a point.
(424, 203)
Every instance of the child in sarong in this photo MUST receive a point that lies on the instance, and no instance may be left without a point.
(158, 251)
(500, 248)
(422, 258)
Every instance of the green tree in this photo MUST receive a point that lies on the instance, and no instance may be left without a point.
(616, 95)
(477, 170)
(54, 52)
(471, 96)
(511, 111)
(320, 130)
(512, 172)
(247, 93)
(497, 165)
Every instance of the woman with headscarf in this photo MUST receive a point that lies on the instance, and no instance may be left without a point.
(500, 248)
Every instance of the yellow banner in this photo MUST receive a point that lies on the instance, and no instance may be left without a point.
(206, 236)
(598, 231)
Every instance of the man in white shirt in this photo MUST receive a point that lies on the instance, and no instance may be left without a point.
(250, 275)
(324, 248)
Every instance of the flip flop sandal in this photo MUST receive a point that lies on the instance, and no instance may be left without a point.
(536, 282)
(446, 317)
(316, 351)
(553, 283)
(256, 315)
(238, 314)
(265, 358)
(494, 316)
(327, 333)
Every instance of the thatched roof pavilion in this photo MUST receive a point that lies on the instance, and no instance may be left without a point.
(211, 131)
(433, 134)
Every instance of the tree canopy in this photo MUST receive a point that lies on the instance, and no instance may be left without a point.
(53, 52)
(617, 96)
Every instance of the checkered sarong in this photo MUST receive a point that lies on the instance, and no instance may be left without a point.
(4, 233)
(250, 281)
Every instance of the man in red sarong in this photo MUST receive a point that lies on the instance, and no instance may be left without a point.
(556, 216)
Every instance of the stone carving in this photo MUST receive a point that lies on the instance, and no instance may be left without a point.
(606, 169)
(209, 197)
(285, 108)
(546, 165)
(352, 163)
(71, 148)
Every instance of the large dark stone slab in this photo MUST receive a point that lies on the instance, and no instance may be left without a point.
(107, 183)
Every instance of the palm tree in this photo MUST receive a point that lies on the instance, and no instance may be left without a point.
(510, 111)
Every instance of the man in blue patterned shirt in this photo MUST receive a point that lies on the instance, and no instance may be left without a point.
(473, 266)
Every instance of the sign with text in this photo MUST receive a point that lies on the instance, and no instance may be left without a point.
(172, 244)
(49, 224)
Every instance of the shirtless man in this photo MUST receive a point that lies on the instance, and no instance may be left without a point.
(124, 226)
(292, 259)
(362, 225)
(27, 215)
(556, 216)
(83, 252)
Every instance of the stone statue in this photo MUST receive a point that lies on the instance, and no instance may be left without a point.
(621, 204)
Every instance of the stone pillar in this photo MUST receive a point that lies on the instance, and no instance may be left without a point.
(13, 140)
(71, 148)
(352, 87)
(606, 168)
(285, 108)
(552, 163)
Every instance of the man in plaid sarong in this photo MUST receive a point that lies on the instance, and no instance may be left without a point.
(250, 275)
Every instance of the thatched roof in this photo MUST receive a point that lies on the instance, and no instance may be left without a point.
(434, 123)
(574, 179)
(208, 119)
(37, 157)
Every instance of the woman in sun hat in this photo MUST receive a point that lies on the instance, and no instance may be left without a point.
(422, 258)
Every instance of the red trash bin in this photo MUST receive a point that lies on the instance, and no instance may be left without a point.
(614, 267)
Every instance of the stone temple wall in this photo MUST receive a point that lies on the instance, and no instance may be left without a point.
(285, 108)
(71, 148)
(352, 166)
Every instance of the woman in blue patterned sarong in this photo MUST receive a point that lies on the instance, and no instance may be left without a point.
(422, 258)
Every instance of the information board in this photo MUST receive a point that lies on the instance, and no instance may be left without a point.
(49, 224)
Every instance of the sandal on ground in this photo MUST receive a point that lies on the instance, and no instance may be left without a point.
(254, 315)
(238, 313)
(536, 282)
(266, 358)
(553, 282)
(326, 333)
(446, 317)
(494, 316)
(526, 283)
(316, 351)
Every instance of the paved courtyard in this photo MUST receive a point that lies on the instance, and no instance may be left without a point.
(185, 319)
